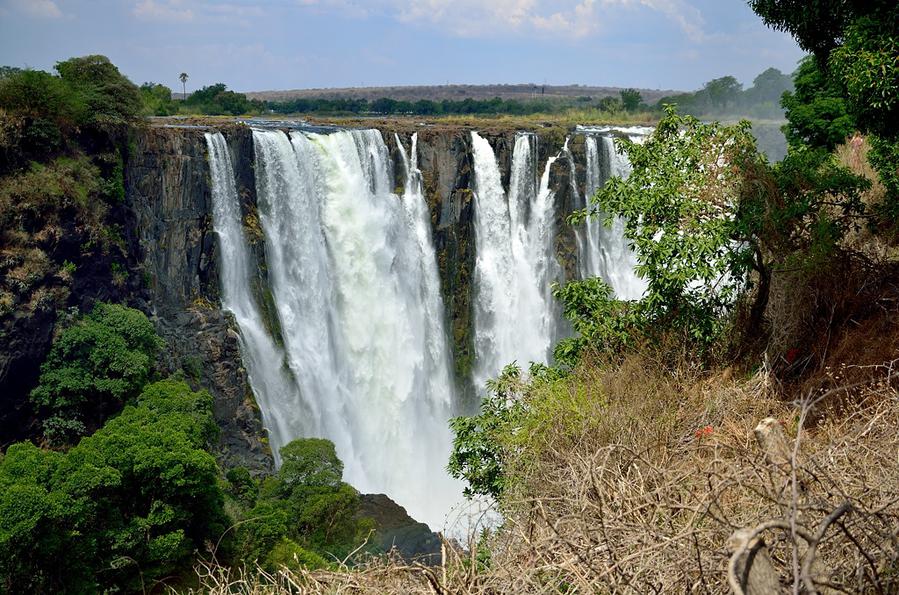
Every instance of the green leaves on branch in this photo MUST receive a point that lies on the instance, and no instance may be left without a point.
(127, 505)
(93, 368)
(679, 206)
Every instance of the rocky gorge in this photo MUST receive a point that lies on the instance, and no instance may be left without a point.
(174, 268)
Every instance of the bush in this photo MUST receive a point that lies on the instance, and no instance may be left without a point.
(287, 554)
(93, 368)
(129, 504)
(109, 96)
(307, 503)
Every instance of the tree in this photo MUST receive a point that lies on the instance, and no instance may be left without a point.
(769, 86)
(125, 506)
(680, 214)
(630, 99)
(109, 95)
(183, 78)
(93, 368)
(157, 100)
(306, 503)
(723, 91)
(855, 48)
(51, 107)
(817, 111)
(818, 25)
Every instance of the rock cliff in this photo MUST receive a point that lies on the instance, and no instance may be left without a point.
(172, 251)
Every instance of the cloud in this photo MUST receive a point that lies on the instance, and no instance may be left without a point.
(556, 18)
(42, 9)
(348, 8)
(172, 11)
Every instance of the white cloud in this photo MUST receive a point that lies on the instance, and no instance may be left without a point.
(559, 18)
(174, 11)
(42, 9)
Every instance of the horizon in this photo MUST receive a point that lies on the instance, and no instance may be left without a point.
(255, 46)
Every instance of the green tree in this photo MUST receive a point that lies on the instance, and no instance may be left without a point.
(680, 214)
(307, 503)
(109, 95)
(183, 78)
(125, 506)
(768, 87)
(93, 368)
(630, 99)
(817, 111)
(52, 108)
(723, 92)
(480, 442)
(818, 25)
(157, 100)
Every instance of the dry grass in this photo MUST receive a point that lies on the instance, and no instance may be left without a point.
(630, 480)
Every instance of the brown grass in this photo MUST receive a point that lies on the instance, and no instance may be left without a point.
(632, 480)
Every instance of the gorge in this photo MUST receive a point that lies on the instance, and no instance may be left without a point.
(362, 285)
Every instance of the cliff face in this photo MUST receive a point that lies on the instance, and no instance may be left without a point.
(172, 254)
(168, 189)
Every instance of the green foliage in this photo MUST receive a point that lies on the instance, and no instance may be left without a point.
(679, 207)
(768, 87)
(723, 91)
(478, 445)
(817, 111)
(306, 503)
(126, 505)
(600, 322)
(108, 94)
(816, 25)
(93, 368)
(217, 99)
(311, 462)
(52, 108)
(288, 554)
(157, 100)
(630, 99)
(725, 96)
(867, 66)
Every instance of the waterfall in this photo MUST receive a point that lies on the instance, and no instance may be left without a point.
(515, 318)
(272, 384)
(603, 251)
(353, 278)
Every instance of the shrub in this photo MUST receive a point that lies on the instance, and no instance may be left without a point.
(287, 554)
(129, 504)
(107, 93)
(306, 502)
(93, 368)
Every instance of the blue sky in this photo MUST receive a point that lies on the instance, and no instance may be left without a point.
(287, 44)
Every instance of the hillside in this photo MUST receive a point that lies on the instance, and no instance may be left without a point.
(521, 92)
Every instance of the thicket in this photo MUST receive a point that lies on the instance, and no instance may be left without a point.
(131, 496)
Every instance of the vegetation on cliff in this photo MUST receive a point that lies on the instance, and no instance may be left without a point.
(132, 496)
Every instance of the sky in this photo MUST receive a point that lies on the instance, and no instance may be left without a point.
(256, 45)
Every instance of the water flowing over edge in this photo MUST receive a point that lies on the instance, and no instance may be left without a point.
(358, 352)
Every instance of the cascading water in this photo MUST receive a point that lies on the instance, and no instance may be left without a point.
(603, 251)
(354, 282)
(272, 384)
(515, 318)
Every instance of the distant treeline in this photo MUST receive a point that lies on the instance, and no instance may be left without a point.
(718, 97)
(427, 107)
(726, 95)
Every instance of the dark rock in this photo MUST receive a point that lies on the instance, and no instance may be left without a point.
(396, 530)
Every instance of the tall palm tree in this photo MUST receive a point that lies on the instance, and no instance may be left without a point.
(183, 76)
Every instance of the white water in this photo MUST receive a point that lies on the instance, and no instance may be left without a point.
(272, 383)
(515, 318)
(604, 251)
(354, 281)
